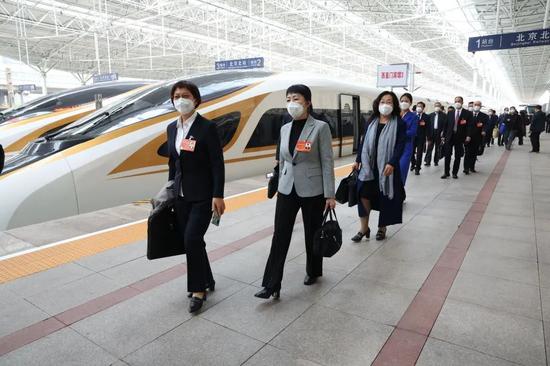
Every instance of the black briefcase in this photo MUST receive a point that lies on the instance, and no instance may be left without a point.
(347, 191)
(163, 237)
(328, 239)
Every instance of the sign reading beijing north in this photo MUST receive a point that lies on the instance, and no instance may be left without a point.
(101, 78)
(245, 63)
(538, 37)
(394, 75)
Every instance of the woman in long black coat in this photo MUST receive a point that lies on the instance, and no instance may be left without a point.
(380, 186)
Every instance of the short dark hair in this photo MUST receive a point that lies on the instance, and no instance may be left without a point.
(470, 103)
(376, 111)
(304, 91)
(450, 107)
(408, 96)
(538, 106)
(423, 104)
(462, 99)
(191, 87)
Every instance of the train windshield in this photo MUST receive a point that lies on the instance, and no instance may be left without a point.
(67, 99)
(153, 102)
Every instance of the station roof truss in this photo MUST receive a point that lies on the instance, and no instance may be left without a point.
(161, 39)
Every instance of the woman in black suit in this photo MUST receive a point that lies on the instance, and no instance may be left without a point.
(197, 169)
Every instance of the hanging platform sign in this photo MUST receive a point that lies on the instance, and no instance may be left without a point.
(532, 38)
(101, 78)
(245, 63)
(394, 75)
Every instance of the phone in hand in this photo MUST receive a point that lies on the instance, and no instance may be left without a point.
(215, 219)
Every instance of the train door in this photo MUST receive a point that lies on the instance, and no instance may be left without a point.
(349, 118)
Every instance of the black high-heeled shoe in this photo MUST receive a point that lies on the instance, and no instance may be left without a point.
(195, 304)
(266, 293)
(381, 234)
(359, 236)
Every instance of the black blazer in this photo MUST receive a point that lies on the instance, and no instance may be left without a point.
(441, 125)
(200, 173)
(465, 121)
(479, 124)
(422, 129)
(536, 126)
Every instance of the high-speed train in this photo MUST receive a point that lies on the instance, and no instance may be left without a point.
(24, 123)
(114, 155)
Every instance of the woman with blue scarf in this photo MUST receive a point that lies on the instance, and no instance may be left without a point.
(379, 180)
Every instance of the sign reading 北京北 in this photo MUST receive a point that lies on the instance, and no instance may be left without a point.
(539, 37)
(395, 75)
(245, 63)
(100, 78)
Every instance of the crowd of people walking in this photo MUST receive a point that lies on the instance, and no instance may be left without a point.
(400, 137)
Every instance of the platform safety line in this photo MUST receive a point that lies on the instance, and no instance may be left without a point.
(34, 260)
(404, 345)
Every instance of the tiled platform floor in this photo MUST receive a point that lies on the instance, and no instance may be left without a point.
(497, 311)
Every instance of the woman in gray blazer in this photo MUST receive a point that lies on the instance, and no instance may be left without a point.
(306, 182)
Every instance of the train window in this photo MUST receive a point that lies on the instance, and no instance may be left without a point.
(330, 116)
(268, 129)
(227, 126)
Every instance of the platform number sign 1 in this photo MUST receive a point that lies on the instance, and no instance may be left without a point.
(532, 38)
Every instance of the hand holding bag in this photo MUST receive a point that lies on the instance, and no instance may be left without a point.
(273, 183)
(346, 191)
(328, 239)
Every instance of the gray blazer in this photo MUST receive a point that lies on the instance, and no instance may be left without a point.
(311, 173)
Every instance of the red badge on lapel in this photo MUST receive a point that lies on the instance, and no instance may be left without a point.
(188, 145)
(303, 146)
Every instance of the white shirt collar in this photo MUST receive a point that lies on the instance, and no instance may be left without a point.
(188, 122)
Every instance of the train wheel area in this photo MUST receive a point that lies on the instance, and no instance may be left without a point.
(464, 280)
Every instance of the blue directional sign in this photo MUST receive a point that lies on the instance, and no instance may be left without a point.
(539, 37)
(245, 63)
(101, 78)
(26, 87)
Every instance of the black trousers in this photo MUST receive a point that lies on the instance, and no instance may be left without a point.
(470, 156)
(418, 150)
(535, 141)
(285, 216)
(193, 220)
(547, 127)
(435, 142)
(458, 148)
(510, 139)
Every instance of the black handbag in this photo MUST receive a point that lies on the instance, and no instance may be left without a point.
(163, 237)
(347, 191)
(328, 239)
(273, 183)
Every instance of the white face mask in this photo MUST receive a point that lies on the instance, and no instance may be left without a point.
(404, 106)
(458, 105)
(419, 109)
(471, 109)
(295, 109)
(512, 111)
(184, 105)
(385, 109)
(437, 109)
(490, 113)
(477, 108)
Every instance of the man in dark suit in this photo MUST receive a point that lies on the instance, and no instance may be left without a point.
(420, 139)
(477, 134)
(455, 136)
(536, 128)
(438, 120)
(196, 166)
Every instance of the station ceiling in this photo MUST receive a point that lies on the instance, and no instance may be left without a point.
(160, 39)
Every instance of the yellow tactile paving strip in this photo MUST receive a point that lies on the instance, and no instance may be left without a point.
(47, 258)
